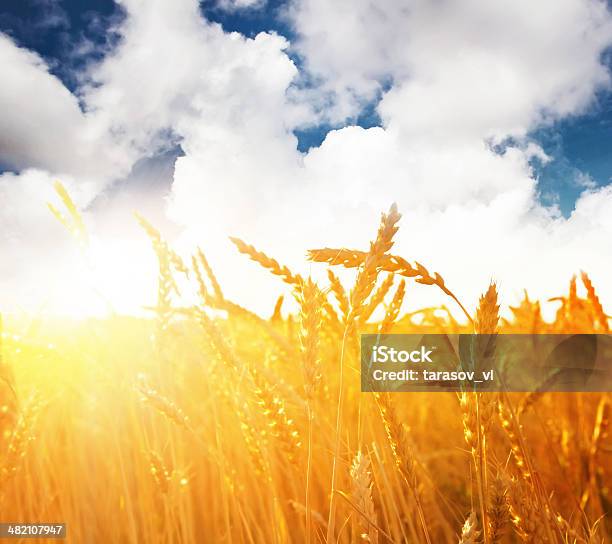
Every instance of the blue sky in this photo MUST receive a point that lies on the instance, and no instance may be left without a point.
(68, 34)
(490, 125)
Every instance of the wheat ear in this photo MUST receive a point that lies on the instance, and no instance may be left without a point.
(162, 475)
(366, 279)
(310, 314)
(309, 298)
(361, 490)
(393, 309)
(163, 405)
(377, 298)
(368, 273)
(469, 534)
(211, 275)
(339, 293)
(280, 425)
(350, 258)
(74, 222)
(498, 509)
(267, 262)
(276, 314)
(595, 303)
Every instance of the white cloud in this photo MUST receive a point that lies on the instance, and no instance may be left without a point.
(235, 5)
(42, 124)
(457, 66)
(460, 76)
(584, 180)
(173, 68)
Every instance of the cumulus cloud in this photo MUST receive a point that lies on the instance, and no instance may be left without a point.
(456, 66)
(173, 68)
(463, 77)
(42, 124)
(456, 82)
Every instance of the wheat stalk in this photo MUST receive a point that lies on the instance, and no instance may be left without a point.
(402, 451)
(309, 298)
(168, 260)
(366, 279)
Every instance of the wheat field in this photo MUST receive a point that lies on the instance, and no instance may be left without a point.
(209, 423)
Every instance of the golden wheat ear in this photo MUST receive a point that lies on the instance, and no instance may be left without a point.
(593, 299)
(361, 490)
(469, 533)
(487, 314)
(73, 221)
(269, 263)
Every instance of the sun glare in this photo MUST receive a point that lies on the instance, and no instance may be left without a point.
(112, 276)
